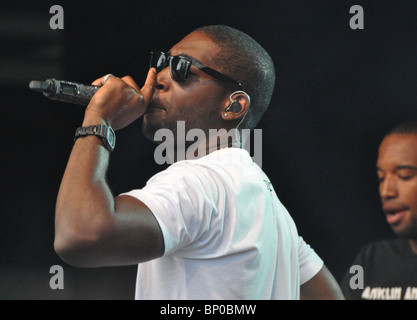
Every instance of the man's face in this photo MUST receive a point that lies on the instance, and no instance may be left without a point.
(397, 173)
(197, 101)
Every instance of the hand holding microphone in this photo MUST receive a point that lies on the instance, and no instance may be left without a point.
(115, 101)
(120, 101)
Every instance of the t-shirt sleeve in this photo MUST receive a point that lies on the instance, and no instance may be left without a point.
(310, 262)
(182, 201)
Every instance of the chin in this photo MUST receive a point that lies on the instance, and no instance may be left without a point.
(149, 128)
(149, 133)
(405, 232)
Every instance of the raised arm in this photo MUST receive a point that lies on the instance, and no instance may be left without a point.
(92, 228)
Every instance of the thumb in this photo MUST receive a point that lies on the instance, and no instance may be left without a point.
(148, 88)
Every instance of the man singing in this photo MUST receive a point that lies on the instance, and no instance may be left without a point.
(210, 226)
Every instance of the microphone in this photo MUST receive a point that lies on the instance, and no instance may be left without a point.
(65, 91)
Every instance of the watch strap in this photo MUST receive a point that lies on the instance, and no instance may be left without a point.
(103, 132)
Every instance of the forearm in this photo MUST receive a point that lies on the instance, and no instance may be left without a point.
(85, 202)
(91, 226)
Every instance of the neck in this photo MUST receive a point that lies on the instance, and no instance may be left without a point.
(204, 144)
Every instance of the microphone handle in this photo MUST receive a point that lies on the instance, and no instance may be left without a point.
(73, 92)
(65, 91)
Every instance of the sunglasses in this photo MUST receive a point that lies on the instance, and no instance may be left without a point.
(179, 67)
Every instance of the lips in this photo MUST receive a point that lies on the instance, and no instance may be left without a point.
(152, 109)
(394, 213)
(155, 105)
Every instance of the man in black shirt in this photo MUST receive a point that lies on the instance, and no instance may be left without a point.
(388, 269)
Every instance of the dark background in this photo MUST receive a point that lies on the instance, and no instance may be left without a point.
(337, 92)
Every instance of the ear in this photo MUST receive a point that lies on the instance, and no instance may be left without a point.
(237, 106)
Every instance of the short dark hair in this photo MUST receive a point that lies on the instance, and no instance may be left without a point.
(244, 60)
(407, 127)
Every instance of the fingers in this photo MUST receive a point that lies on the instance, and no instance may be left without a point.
(106, 77)
(121, 101)
(131, 83)
(148, 88)
(102, 81)
(136, 95)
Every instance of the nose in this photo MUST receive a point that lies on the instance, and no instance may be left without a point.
(163, 79)
(388, 188)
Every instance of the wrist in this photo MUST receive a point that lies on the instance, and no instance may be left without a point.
(103, 132)
(92, 119)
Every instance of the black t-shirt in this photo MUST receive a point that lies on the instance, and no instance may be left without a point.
(384, 270)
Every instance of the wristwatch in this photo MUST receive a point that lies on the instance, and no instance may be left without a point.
(103, 132)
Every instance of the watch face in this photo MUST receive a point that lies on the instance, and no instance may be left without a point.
(111, 137)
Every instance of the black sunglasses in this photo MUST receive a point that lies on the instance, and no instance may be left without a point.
(179, 67)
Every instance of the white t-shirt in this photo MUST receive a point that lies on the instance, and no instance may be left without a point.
(227, 236)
